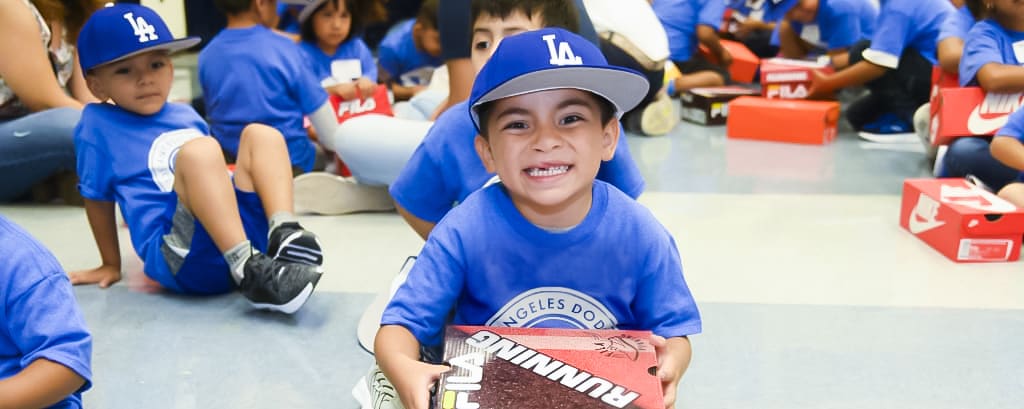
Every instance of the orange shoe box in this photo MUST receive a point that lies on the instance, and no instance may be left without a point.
(957, 112)
(962, 221)
(744, 62)
(502, 367)
(796, 121)
(783, 78)
(710, 106)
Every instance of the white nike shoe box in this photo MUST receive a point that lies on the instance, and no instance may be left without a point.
(969, 111)
(964, 222)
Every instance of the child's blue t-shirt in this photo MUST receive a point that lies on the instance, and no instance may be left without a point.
(1014, 126)
(619, 268)
(253, 75)
(904, 24)
(353, 50)
(988, 42)
(445, 168)
(957, 25)
(681, 18)
(839, 24)
(129, 158)
(405, 63)
(39, 318)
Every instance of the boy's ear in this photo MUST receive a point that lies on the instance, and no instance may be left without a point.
(95, 87)
(483, 150)
(610, 139)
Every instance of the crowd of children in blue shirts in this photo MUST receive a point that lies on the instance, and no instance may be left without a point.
(535, 161)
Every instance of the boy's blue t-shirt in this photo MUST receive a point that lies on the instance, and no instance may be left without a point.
(252, 75)
(681, 18)
(619, 268)
(399, 56)
(988, 42)
(839, 24)
(445, 168)
(39, 318)
(1014, 126)
(354, 49)
(129, 158)
(906, 24)
(957, 25)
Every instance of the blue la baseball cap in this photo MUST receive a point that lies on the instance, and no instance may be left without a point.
(124, 30)
(553, 58)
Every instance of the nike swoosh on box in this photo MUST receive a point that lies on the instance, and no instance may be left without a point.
(984, 126)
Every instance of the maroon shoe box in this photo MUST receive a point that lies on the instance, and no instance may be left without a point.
(525, 368)
(710, 105)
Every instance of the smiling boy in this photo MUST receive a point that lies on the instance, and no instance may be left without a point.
(545, 106)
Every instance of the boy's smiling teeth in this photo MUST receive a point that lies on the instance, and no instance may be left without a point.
(544, 172)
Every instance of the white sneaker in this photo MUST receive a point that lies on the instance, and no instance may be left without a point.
(324, 193)
(658, 117)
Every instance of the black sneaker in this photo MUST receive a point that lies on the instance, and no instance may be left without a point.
(290, 242)
(278, 285)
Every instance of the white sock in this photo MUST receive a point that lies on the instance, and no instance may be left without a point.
(236, 258)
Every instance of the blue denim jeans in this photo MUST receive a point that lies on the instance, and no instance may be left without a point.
(34, 147)
(970, 155)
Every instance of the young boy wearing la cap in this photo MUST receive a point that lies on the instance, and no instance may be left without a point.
(196, 228)
(545, 105)
(444, 170)
(45, 349)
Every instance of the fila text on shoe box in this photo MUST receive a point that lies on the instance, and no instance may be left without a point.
(969, 111)
(962, 221)
(533, 368)
(783, 78)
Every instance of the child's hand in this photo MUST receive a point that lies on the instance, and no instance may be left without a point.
(673, 358)
(820, 86)
(366, 87)
(105, 276)
(414, 386)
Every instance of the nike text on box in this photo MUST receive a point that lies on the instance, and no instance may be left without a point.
(957, 112)
(795, 121)
(710, 106)
(783, 78)
(962, 221)
(526, 368)
(744, 62)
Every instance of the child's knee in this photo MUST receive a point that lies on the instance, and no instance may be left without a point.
(260, 134)
(1013, 193)
(200, 150)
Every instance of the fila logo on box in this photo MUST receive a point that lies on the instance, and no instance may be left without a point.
(992, 113)
(719, 109)
(356, 106)
(787, 91)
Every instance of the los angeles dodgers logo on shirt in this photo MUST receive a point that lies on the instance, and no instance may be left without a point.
(164, 151)
(554, 307)
(563, 54)
(143, 29)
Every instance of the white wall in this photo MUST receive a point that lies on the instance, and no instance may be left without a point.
(173, 13)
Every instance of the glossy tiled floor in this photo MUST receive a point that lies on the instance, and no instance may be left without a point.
(811, 295)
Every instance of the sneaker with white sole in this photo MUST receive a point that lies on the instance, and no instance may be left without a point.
(658, 117)
(278, 285)
(290, 242)
(327, 194)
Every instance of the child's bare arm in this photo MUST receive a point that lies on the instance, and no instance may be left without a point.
(994, 77)
(1008, 150)
(673, 359)
(41, 384)
(103, 223)
(708, 36)
(398, 355)
(860, 73)
(422, 227)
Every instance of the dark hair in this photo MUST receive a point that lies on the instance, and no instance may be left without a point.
(71, 13)
(233, 7)
(427, 17)
(554, 13)
(364, 13)
(483, 112)
(977, 9)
